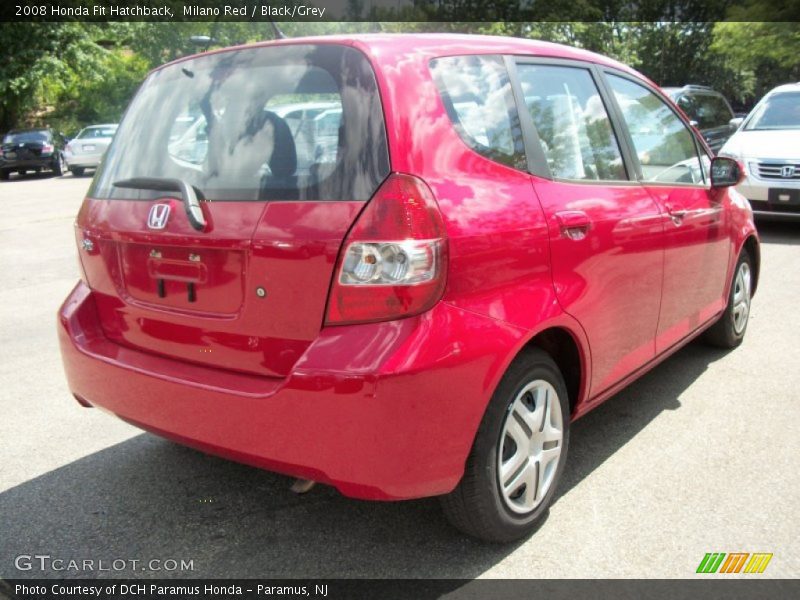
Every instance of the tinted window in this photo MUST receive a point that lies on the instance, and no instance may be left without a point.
(780, 111)
(299, 122)
(689, 106)
(664, 145)
(27, 136)
(572, 122)
(477, 94)
(712, 111)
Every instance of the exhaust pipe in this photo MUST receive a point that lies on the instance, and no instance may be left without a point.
(302, 486)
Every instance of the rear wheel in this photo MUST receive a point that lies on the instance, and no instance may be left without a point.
(518, 455)
(729, 331)
(4, 174)
(77, 171)
(58, 165)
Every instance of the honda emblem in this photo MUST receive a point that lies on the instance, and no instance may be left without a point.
(159, 214)
(787, 171)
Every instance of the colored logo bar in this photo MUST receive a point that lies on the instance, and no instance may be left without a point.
(734, 562)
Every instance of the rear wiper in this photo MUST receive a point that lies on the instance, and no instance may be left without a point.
(163, 184)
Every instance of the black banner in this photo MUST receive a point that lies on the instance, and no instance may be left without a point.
(399, 10)
(710, 588)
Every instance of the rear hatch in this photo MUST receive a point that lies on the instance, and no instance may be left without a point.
(278, 190)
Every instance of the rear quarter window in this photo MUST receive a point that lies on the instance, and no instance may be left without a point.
(294, 122)
(476, 92)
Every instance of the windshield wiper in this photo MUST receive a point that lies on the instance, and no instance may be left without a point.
(162, 184)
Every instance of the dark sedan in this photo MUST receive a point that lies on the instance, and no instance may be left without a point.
(32, 150)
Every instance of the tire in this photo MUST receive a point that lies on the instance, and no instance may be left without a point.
(479, 506)
(58, 166)
(4, 175)
(728, 331)
(77, 171)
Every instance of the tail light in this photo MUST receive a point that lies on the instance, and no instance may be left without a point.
(394, 260)
(47, 148)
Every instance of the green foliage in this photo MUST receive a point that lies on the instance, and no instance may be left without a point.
(72, 74)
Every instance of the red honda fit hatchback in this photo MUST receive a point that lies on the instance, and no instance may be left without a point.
(400, 265)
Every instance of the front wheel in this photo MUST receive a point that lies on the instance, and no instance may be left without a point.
(729, 330)
(518, 455)
(4, 174)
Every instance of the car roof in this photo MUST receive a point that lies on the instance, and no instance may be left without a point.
(786, 87)
(386, 49)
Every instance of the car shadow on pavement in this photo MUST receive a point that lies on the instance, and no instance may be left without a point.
(17, 178)
(147, 498)
(779, 232)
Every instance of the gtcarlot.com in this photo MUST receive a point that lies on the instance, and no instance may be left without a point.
(46, 562)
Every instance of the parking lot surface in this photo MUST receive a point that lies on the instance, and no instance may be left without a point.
(701, 455)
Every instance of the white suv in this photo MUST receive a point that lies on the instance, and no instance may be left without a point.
(768, 144)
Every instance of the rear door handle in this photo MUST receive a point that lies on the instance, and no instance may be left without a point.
(574, 224)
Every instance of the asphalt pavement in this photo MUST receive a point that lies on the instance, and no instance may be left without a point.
(700, 455)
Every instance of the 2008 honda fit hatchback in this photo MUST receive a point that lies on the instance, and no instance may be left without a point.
(399, 265)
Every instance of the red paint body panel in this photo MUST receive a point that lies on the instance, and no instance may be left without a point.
(388, 410)
(361, 419)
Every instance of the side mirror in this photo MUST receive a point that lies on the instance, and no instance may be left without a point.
(725, 172)
(735, 122)
(694, 123)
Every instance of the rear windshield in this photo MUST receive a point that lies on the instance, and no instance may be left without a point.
(780, 111)
(27, 136)
(712, 111)
(298, 122)
(96, 132)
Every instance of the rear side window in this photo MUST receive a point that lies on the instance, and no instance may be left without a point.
(477, 95)
(299, 122)
(572, 123)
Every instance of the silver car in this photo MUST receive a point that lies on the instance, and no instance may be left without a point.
(86, 149)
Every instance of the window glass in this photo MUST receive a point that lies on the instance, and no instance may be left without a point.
(96, 132)
(664, 145)
(476, 92)
(27, 136)
(572, 122)
(689, 106)
(712, 111)
(780, 111)
(299, 122)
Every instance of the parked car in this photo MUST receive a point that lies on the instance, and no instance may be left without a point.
(35, 150)
(709, 111)
(87, 148)
(507, 233)
(768, 145)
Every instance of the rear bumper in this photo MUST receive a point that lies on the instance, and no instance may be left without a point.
(33, 163)
(380, 411)
(86, 161)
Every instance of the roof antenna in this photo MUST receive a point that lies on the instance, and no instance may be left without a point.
(277, 34)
